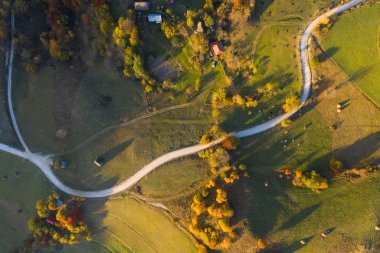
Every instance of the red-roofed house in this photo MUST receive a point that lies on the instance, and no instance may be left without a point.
(217, 48)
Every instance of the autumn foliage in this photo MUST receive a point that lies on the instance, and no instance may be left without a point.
(58, 220)
(311, 180)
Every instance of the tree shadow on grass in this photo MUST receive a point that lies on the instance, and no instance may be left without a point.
(116, 150)
(299, 217)
(259, 204)
(325, 55)
(356, 76)
(287, 248)
(263, 204)
(260, 7)
(356, 154)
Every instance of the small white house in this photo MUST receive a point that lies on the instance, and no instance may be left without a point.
(155, 18)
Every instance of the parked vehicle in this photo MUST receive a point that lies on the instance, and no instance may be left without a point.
(100, 161)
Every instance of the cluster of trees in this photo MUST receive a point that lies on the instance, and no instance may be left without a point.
(63, 18)
(98, 25)
(211, 214)
(98, 30)
(214, 133)
(220, 99)
(268, 90)
(236, 19)
(311, 180)
(325, 24)
(126, 37)
(5, 6)
(337, 168)
(356, 173)
(60, 17)
(58, 221)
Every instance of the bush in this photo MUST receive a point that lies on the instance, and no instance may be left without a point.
(285, 123)
(311, 180)
(291, 103)
(261, 244)
(231, 143)
(336, 166)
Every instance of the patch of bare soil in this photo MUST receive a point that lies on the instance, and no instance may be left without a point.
(164, 69)
(66, 83)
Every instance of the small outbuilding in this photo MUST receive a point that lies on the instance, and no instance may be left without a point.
(142, 6)
(100, 161)
(217, 48)
(155, 18)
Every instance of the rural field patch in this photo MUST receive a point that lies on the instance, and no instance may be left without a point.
(356, 38)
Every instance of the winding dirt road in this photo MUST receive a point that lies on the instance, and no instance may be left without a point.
(44, 162)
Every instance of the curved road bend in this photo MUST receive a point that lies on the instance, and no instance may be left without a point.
(43, 162)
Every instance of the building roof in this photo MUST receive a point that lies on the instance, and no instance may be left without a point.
(141, 6)
(155, 18)
(217, 48)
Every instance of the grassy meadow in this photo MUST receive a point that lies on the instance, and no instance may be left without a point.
(354, 44)
(60, 96)
(117, 224)
(18, 194)
(282, 214)
(56, 99)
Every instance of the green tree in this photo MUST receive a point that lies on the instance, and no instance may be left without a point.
(20, 6)
(336, 166)
(290, 103)
(190, 18)
(199, 42)
(209, 20)
(169, 29)
(138, 67)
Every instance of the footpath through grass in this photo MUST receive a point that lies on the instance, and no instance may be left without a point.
(354, 43)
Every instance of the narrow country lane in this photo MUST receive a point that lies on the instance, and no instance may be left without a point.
(44, 163)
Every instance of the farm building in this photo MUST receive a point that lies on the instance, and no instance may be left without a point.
(141, 6)
(155, 18)
(217, 48)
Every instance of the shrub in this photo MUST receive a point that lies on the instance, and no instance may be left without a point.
(231, 143)
(290, 103)
(336, 166)
(311, 180)
(285, 123)
(261, 244)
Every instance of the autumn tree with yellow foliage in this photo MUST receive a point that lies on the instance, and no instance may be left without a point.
(58, 220)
